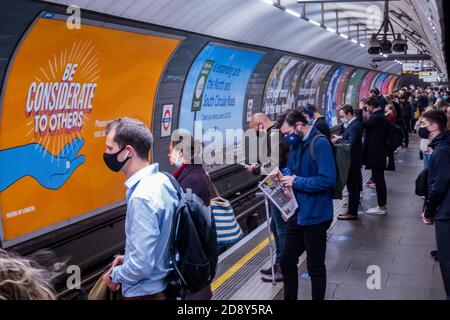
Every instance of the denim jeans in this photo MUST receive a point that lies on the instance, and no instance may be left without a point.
(278, 227)
(426, 159)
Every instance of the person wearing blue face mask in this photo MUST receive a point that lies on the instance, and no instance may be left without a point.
(315, 119)
(312, 182)
(353, 136)
(185, 156)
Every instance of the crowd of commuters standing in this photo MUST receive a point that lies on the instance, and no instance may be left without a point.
(144, 270)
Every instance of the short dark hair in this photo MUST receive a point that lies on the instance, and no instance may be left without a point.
(309, 109)
(438, 117)
(295, 116)
(371, 102)
(280, 120)
(348, 109)
(375, 91)
(134, 133)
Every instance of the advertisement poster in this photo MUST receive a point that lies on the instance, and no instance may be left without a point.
(366, 84)
(352, 94)
(322, 96)
(59, 94)
(281, 88)
(385, 86)
(214, 91)
(332, 96)
(393, 84)
(309, 84)
(342, 87)
(380, 80)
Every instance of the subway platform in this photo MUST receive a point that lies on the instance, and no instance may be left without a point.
(398, 243)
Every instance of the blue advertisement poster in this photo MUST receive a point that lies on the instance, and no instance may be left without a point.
(215, 88)
(330, 103)
(380, 80)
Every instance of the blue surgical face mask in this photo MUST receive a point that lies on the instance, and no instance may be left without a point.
(292, 139)
(345, 121)
(445, 98)
(310, 121)
(178, 163)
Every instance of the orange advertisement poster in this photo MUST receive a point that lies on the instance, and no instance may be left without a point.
(61, 89)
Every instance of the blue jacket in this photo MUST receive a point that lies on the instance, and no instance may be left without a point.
(313, 187)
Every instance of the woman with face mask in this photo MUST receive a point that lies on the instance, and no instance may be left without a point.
(184, 155)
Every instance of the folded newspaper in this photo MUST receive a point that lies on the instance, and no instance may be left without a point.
(282, 197)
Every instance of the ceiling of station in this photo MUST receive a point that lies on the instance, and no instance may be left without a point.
(260, 22)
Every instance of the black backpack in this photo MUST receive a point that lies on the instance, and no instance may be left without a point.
(342, 157)
(422, 183)
(193, 248)
(394, 137)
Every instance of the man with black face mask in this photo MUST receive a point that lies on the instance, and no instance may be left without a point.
(143, 273)
(437, 207)
(375, 151)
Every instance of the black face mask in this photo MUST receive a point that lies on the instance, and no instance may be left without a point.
(424, 133)
(112, 162)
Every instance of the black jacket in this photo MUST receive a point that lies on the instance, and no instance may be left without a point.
(375, 149)
(283, 152)
(438, 201)
(322, 125)
(353, 136)
(193, 177)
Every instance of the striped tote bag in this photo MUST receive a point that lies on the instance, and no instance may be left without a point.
(228, 229)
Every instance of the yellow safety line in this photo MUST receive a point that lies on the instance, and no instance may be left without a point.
(238, 265)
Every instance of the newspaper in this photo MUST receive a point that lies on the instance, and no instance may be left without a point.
(282, 197)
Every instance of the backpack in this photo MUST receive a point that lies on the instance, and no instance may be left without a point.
(394, 137)
(193, 246)
(342, 157)
(422, 183)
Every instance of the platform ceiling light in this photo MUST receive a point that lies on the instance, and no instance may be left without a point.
(292, 13)
(267, 1)
(314, 22)
(344, 36)
(331, 30)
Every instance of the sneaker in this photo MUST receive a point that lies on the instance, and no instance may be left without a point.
(378, 211)
(278, 277)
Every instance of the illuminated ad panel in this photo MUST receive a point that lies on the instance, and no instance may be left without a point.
(380, 80)
(335, 93)
(282, 86)
(366, 84)
(309, 84)
(352, 95)
(59, 94)
(342, 87)
(214, 93)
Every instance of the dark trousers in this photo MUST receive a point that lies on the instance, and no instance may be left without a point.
(442, 228)
(354, 187)
(391, 163)
(313, 239)
(278, 227)
(380, 183)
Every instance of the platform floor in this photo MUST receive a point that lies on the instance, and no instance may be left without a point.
(399, 243)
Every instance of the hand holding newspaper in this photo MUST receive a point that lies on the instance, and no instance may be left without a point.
(282, 197)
